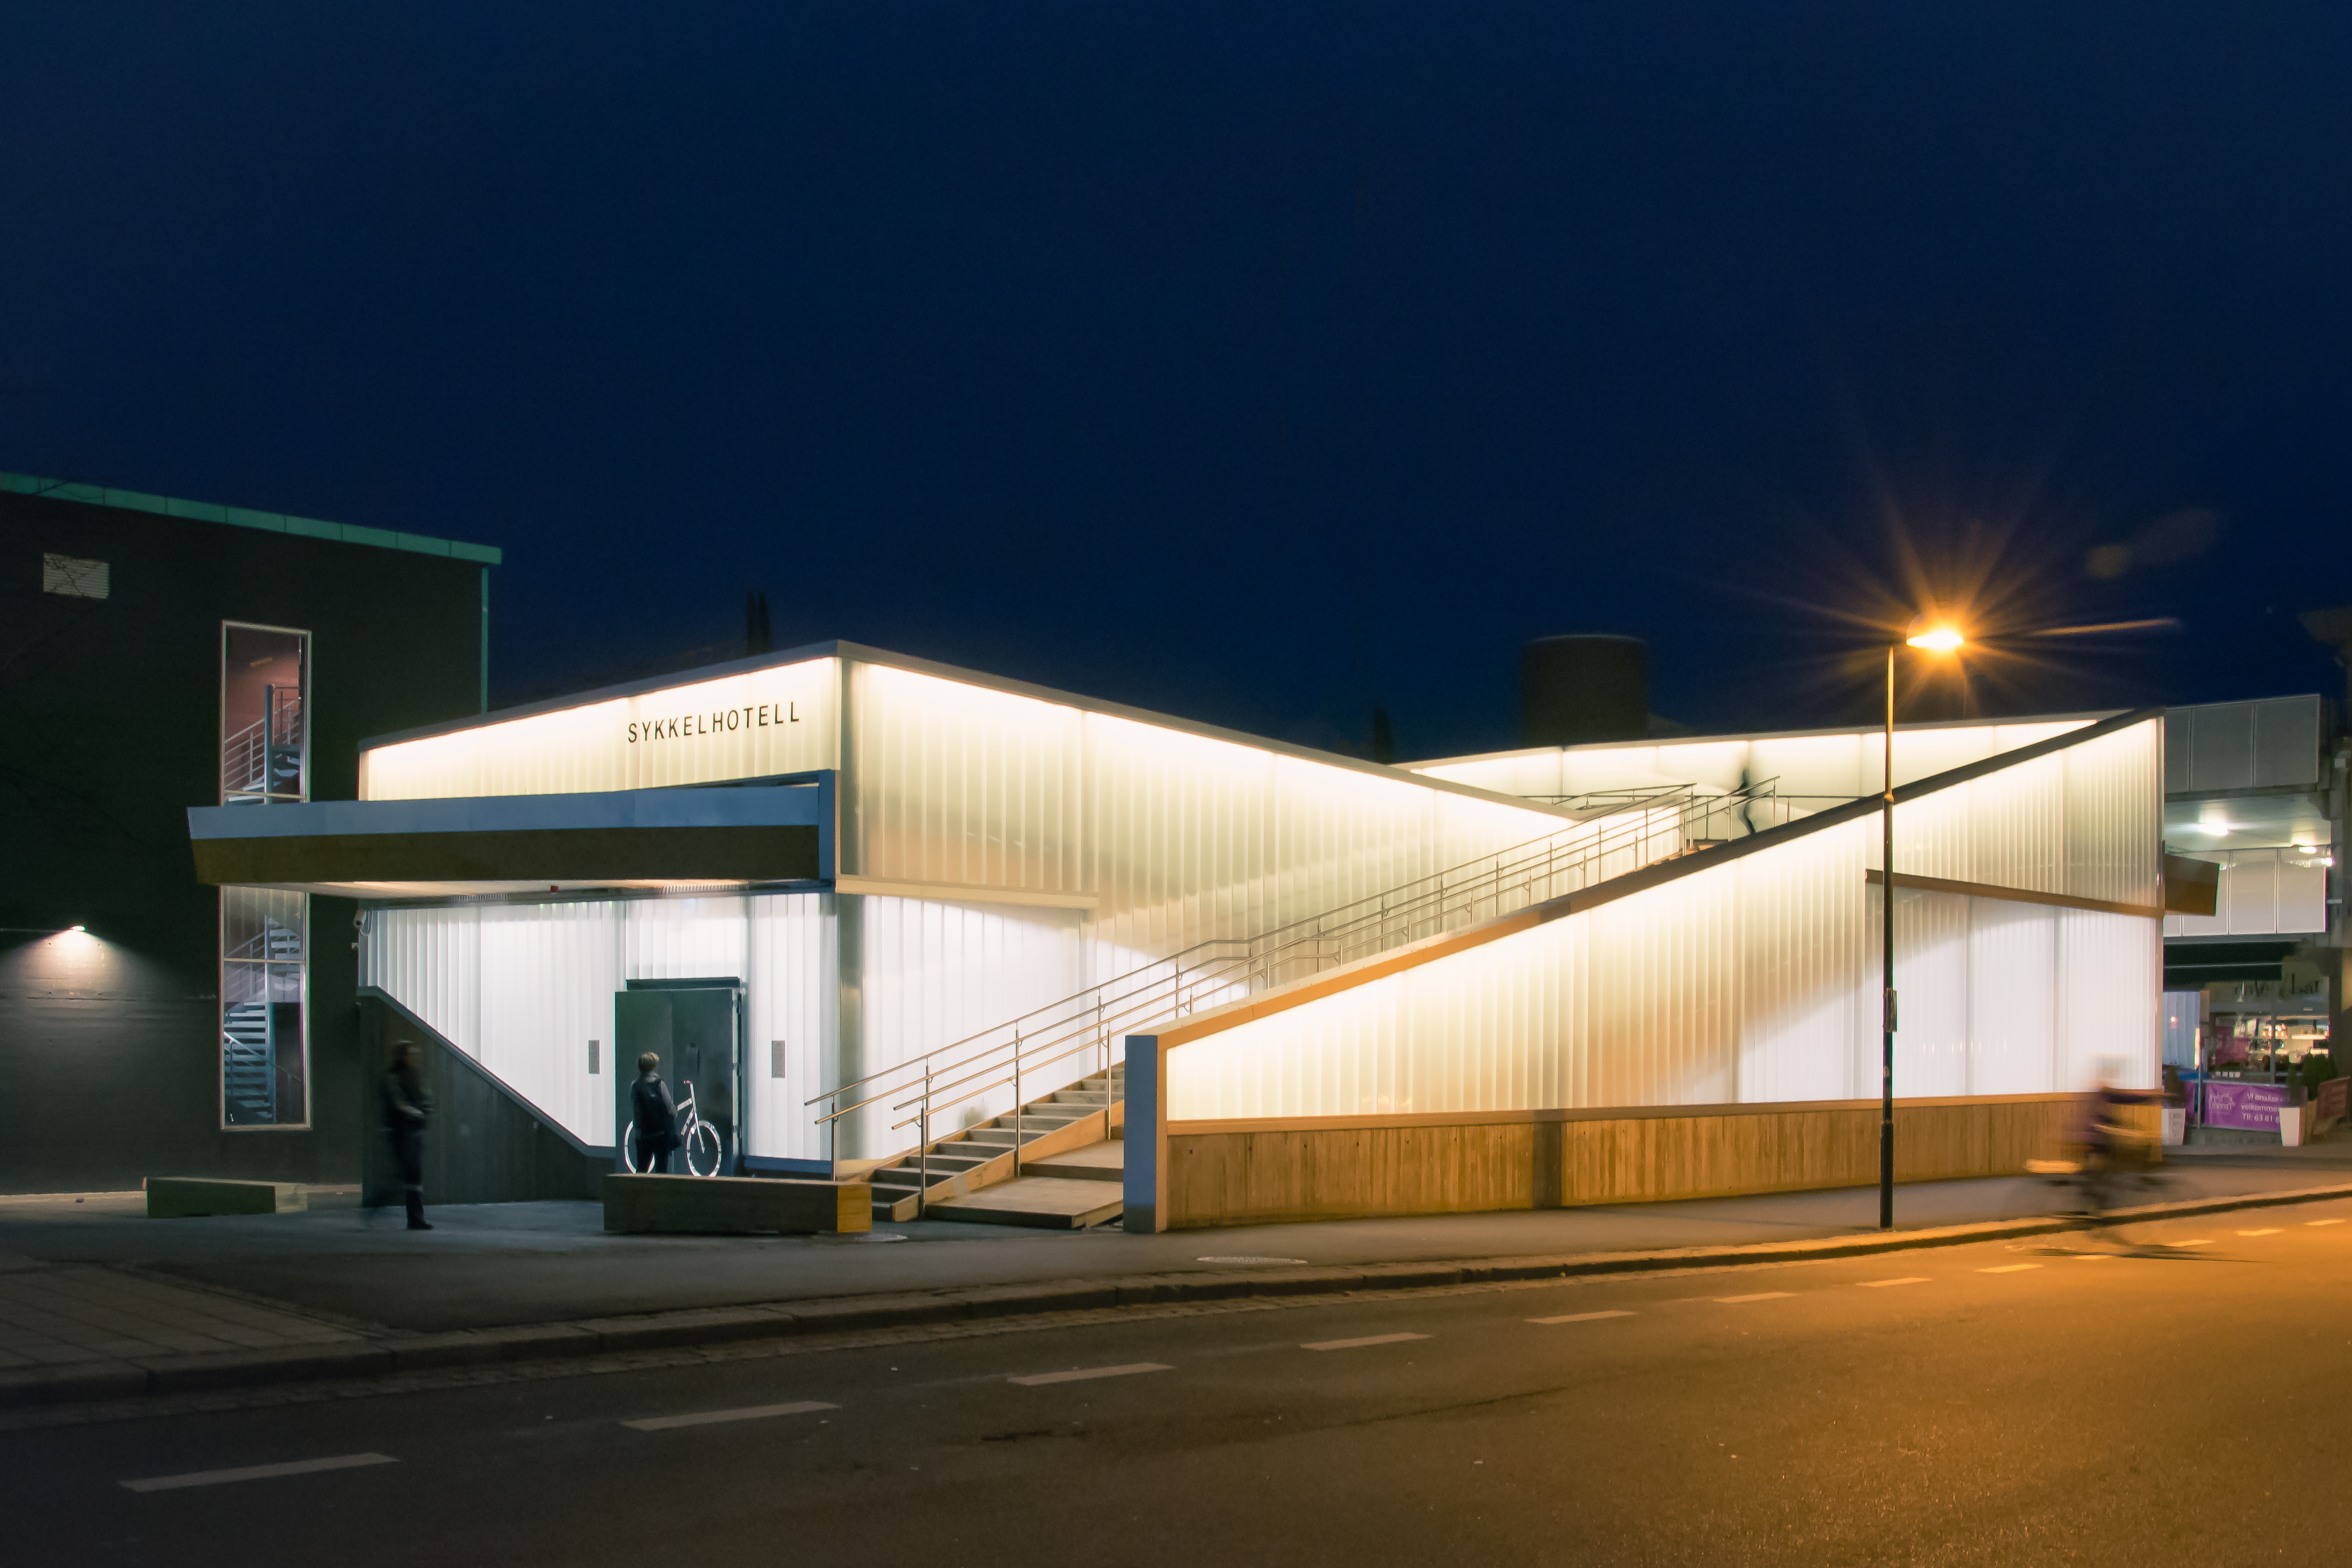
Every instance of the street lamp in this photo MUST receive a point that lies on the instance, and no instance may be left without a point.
(1933, 639)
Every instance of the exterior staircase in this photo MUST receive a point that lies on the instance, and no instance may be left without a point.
(982, 1158)
(263, 761)
(249, 1051)
(1040, 1143)
(248, 1072)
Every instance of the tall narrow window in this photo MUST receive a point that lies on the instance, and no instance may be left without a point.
(265, 1080)
(265, 715)
(264, 933)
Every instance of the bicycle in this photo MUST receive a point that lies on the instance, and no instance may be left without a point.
(703, 1146)
(2108, 1176)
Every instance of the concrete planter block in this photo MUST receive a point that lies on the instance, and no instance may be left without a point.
(733, 1206)
(186, 1197)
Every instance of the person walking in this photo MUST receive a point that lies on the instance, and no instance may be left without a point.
(406, 1108)
(656, 1115)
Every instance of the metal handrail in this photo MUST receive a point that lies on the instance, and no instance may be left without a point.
(245, 756)
(1650, 826)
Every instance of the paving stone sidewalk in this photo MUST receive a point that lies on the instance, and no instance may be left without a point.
(98, 1302)
(58, 1314)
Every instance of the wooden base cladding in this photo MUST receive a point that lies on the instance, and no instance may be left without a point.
(1231, 1176)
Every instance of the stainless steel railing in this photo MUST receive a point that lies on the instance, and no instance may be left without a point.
(267, 752)
(1642, 829)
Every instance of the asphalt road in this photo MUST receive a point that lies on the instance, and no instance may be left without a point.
(2024, 1404)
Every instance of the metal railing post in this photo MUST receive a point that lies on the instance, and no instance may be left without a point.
(1104, 1035)
(1016, 1105)
(923, 1132)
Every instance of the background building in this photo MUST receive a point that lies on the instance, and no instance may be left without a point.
(159, 654)
(2258, 790)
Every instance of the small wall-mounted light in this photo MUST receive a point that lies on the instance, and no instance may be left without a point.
(77, 928)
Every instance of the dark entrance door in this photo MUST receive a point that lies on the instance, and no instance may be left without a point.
(693, 1027)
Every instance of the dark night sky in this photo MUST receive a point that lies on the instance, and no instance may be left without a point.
(1256, 363)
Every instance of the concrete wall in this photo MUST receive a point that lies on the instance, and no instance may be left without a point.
(1272, 1171)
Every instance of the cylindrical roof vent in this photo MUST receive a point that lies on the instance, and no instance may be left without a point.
(1577, 690)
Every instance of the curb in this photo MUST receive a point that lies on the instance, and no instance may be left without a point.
(96, 1380)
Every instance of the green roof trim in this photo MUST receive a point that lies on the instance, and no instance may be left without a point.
(242, 516)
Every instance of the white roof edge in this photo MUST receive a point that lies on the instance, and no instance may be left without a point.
(863, 654)
(2091, 717)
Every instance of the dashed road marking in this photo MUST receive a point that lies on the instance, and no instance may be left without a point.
(1882, 1284)
(1759, 1295)
(2200, 1241)
(1580, 1317)
(258, 1472)
(1038, 1379)
(1357, 1344)
(2323, 1222)
(2268, 1230)
(712, 1417)
(2009, 1268)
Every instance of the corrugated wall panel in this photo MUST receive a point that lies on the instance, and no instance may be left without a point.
(1846, 764)
(778, 721)
(428, 960)
(1803, 1034)
(1663, 968)
(1193, 838)
(686, 939)
(2111, 974)
(2115, 816)
(2012, 997)
(523, 988)
(549, 974)
(935, 973)
(1535, 772)
(793, 999)
(2017, 832)
(1755, 981)
(1931, 980)
(962, 784)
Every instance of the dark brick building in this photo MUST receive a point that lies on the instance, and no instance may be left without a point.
(159, 654)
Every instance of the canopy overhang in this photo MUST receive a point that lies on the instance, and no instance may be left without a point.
(730, 836)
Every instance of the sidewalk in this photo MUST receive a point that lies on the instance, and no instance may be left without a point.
(97, 1300)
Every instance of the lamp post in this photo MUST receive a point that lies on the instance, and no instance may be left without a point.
(1938, 639)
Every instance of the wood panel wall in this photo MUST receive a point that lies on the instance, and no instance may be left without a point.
(1229, 1175)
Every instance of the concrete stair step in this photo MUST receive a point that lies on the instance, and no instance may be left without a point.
(1104, 1162)
(1044, 1203)
(1001, 1137)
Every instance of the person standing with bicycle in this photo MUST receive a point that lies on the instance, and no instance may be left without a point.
(655, 1117)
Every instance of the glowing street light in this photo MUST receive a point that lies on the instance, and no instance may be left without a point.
(1938, 640)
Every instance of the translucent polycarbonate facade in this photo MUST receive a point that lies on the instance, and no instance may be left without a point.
(1000, 848)
(935, 974)
(751, 725)
(523, 988)
(1756, 980)
(2086, 821)
(1824, 767)
(1166, 836)
(1051, 844)
(1200, 837)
